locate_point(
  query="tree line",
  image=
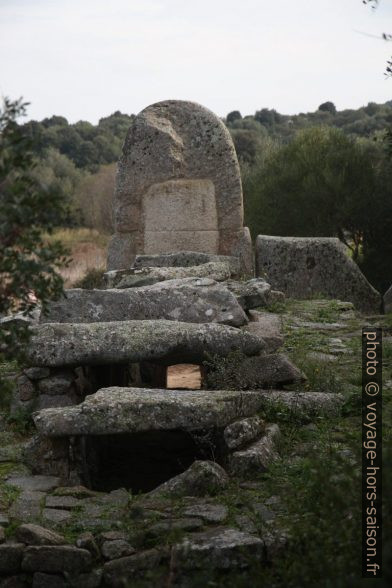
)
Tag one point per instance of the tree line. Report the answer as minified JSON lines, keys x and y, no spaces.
{"x":323,"y":173}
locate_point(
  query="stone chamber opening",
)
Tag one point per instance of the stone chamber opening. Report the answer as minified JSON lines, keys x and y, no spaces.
{"x":142,"y":461}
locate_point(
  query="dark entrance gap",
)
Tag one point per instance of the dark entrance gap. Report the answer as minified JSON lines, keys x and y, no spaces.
{"x":142,"y":461}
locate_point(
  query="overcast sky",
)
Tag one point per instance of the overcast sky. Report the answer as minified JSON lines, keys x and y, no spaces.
{"x":84,"y":59}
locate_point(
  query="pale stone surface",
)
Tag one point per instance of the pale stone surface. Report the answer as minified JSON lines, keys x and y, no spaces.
{"x":131,"y":410}
{"x":63,"y":344}
{"x":34,"y":483}
{"x":388,"y":300}
{"x":242,"y":432}
{"x":31,"y":534}
{"x":179,"y":212}
{"x":190,"y":300}
{"x":251,"y":294}
{"x":303,"y":267}
{"x":178,"y":186}
{"x":268,"y":326}
{"x":221,"y":548}
{"x":256,"y":458}
{"x":202,"y":478}
{"x":215,"y":270}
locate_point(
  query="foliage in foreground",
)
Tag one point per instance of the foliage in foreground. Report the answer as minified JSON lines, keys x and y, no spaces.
{"x":28,"y":263}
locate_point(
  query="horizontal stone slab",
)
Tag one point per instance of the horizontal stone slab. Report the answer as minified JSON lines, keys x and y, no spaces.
{"x":69,"y":344}
{"x":191,"y":300}
{"x":132,"y":410}
{"x":185,"y":259}
{"x":132,"y":278}
{"x":304,"y":403}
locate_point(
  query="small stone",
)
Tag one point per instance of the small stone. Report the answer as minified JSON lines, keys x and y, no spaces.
{"x":37,"y":373}
{"x":242,"y":432}
{"x":41,"y":580}
{"x":251,"y":294}
{"x":54,"y":559}
{"x":2,"y":535}
{"x":76,"y":491}
{"x":210,"y":513}
{"x":87,"y":541}
{"x":165,"y":527}
{"x":221,"y":548}
{"x":31,"y":534}
{"x":34,"y":483}
{"x":118,"y":571}
{"x":62,"y":502}
{"x":25,"y":388}
{"x":56,"y":515}
{"x":4,"y":520}
{"x":200,"y":479}
{"x":27,"y":506}
{"x":14,"y":582}
{"x":245,"y":524}
{"x":113,"y":535}
{"x":116,"y":549}
{"x":57,"y":384}
{"x":90,"y":580}
{"x":10,"y":557}
{"x":257,"y":457}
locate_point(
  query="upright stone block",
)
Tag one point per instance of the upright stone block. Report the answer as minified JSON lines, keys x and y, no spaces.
{"x":178,"y":187}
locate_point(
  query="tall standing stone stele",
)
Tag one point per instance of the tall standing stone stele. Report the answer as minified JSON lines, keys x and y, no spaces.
{"x":178,"y":187}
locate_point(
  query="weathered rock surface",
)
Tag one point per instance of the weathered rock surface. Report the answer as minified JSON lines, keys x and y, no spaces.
{"x":214,"y":270}
{"x":388,"y":300}
{"x":256,"y":458}
{"x":264,"y":371}
{"x":116,"y":549}
{"x":56,"y":384}
{"x":250,"y":294}
{"x":54,"y":559}
{"x":34,"y":483}
{"x":193,"y":300}
{"x":306,"y":403}
{"x":221,"y":548}
{"x":41,"y":580}
{"x":184,"y":259}
{"x":131,"y":410}
{"x":241,"y":432}
{"x":268,"y":326}
{"x":63,"y":344}
{"x":10,"y":557}
{"x":305,"y":266}
{"x":210,"y":513}
{"x":118,"y":572}
{"x":174,"y":192}
{"x":200,"y":479}
{"x":36,"y":535}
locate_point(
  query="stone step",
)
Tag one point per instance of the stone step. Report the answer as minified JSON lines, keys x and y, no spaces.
{"x":69,"y":344}
{"x":145,"y":276}
{"x":132,"y":410}
{"x":193,"y":300}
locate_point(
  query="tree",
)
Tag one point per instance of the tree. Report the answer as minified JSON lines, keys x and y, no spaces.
{"x":233,"y":116}
{"x":28,"y":212}
{"x":328,"y":107}
{"x":314,"y":186}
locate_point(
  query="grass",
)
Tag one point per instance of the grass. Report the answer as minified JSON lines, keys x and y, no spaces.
{"x":87,"y":249}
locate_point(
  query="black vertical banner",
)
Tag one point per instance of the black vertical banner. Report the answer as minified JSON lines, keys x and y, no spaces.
{"x":371,"y":452}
